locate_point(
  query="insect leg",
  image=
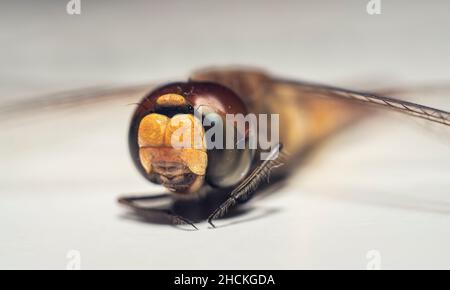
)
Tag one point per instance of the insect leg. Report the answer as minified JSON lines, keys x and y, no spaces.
{"x":132,"y":202}
{"x":248,"y":186}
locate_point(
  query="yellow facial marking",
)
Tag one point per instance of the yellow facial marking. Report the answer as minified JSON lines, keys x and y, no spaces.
{"x":179,"y":139}
{"x":152,"y":129}
{"x":184,"y":131}
{"x":171,"y":100}
{"x":146,"y":157}
{"x":195,"y":160}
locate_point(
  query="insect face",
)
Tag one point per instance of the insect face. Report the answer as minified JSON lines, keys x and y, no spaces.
{"x":172,"y":149}
{"x":169,"y":132}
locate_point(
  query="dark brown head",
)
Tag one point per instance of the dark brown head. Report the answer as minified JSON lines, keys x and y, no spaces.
{"x":167,"y":140}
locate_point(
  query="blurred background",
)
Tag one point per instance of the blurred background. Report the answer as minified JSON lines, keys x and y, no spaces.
{"x":381,"y":190}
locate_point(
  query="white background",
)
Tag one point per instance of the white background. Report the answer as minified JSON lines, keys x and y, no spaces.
{"x":382,"y":186}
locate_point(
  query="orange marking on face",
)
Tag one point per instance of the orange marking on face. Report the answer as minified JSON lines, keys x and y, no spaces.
{"x":185,"y":131}
{"x":195,"y":160}
{"x":170,"y":100}
{"x":179,"y":139}
{"x":146,"y":157}
{"x":152,"y":130}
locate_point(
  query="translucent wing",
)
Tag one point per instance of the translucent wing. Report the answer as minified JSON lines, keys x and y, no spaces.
{"x":410,"y":108}
{"x":75,"y":98}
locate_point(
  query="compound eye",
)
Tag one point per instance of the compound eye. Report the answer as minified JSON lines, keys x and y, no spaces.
{"x":152,"y":129}
{"x":226,"y":167}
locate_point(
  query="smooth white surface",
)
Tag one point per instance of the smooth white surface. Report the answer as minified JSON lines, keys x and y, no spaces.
{"x":382,"y":186}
